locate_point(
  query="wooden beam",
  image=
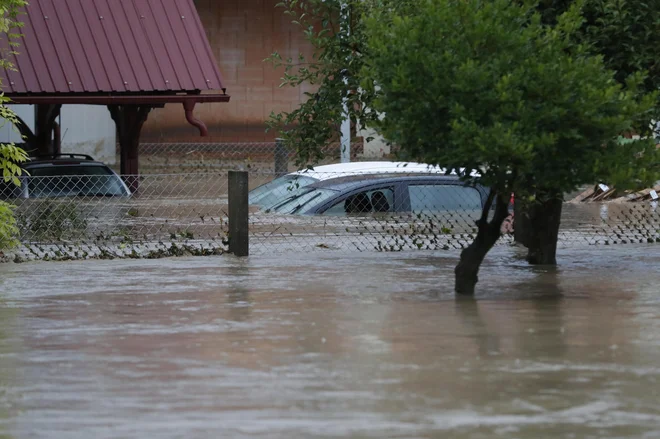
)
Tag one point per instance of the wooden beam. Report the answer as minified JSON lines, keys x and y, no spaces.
{"x":44,"y":123}
{"x":117,"y":99}
{"x":129,"y":120}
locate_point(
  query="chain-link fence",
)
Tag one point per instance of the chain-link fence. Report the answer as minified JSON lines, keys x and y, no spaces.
{"x":168,"y":158}
{"x":96,"y":216}
{"x":173,"y":214}
{"x":407,"y":210}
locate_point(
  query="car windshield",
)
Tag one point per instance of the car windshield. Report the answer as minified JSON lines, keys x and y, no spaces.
{"x":70,"y":180}
{"x":279,"y":189}
{"x":301,"y":201}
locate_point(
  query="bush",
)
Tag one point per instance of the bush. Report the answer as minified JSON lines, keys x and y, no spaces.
{"x":8,"y":229}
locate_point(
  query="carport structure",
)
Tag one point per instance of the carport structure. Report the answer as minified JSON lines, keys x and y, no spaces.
{"x":129,"y":55}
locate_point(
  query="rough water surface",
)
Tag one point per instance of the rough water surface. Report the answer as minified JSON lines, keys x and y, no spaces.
{"x":357,"y":346}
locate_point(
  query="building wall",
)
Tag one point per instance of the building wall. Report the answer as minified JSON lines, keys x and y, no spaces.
{"x":89,"y":129}
{"x":8,"y":132}
{"x":86,"y":129}
{"x":242,"y":33}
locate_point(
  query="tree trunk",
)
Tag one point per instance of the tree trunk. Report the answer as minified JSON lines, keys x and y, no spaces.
{"x":521,"y":226}
{"x":544,"y":220}
{"x":467,"y":271}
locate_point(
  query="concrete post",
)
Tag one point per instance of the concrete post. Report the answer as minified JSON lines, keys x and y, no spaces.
{"x":238,"y":213}
{"x":345,"y":147}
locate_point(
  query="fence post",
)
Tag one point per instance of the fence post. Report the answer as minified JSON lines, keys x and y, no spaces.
{"x":281,"y":158}
{"x":238,"y":213}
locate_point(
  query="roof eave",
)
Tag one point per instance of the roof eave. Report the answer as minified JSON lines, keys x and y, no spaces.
{"x":32,"y":99}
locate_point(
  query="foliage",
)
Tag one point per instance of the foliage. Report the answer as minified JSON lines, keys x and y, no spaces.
{"x":335,"y":31}
{"x":8,"y":229}
{"x":486,"y":85}
{"x":625,"y":32}
{"x":10,"y":155}
{"x":9,"y":23}
{"x":52,"y":221}
{"x":10,"y":158}
{"x":489,"y":87}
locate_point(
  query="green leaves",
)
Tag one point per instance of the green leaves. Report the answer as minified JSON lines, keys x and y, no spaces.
{"x":10,"y":158}
{"x":337,"y":36}
{"x":487,"y":84}
{"x":10,"y":155}
{"x":627,"y":34}
{"x":511,"y":89}
{"x":8,"y":230}
{"x":9,"y":11}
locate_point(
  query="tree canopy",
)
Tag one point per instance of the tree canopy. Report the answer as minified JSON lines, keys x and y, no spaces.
{"x":486,"y":85}
{"x":530,"y":94}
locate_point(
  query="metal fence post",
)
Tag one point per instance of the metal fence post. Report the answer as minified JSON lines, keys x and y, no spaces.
{"x":281,"y":158}
{"x":238,"y":213}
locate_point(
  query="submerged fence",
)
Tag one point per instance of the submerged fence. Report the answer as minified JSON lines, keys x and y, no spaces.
{"x":174,"y":214}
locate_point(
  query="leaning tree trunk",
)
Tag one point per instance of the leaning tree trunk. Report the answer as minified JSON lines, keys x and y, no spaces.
{"x":544,"y":218}
{"x":467,"y":271}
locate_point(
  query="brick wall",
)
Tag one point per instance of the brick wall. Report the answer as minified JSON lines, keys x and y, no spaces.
{"x":242,"y":33}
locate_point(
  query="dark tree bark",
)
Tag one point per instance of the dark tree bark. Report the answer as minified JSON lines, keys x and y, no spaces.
{"x":536,"y":226}
{"x":544,"y":220}
{"x":488,"y":232}
{"x":521,"y":226}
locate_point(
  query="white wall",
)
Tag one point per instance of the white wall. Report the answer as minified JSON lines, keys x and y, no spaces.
{"x":8,"y":133}
{"x":377,"y":147}
{"x":86,"y":129}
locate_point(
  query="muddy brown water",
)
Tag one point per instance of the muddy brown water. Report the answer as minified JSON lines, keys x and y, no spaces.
{"x":327,"y":346}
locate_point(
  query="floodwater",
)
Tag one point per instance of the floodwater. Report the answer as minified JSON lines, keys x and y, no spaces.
{"x":356,"y":346}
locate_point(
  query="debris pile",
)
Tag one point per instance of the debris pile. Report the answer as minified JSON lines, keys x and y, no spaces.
{"x":602,"y":192}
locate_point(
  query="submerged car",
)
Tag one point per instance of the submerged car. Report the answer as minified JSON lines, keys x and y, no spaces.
{"x":377,"y":193}
{"x":66,"y":175}
{"x":286,"y":186}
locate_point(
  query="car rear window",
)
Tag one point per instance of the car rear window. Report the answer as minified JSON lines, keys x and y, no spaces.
{"x":439,"y":198}
{"x":66,"y":180}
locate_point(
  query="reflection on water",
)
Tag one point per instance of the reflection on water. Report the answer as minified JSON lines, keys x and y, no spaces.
{"x":362,"y":346}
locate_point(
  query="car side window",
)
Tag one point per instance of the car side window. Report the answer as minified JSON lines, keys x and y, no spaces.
{"x":373,"y":201}
{"x":439,"y":198}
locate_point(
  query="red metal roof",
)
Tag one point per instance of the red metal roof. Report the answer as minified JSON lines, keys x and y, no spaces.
{"x":111,"y":46}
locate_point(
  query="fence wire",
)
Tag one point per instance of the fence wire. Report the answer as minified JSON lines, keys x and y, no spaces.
{"x":80,"y":216}
{"x":175,"y":214}
{"x":168,"y":158}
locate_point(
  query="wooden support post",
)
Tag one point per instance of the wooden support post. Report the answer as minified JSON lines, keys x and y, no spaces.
{"x":238,"y":213}
{"x":129,"y":120}
{"x":57,"y":138}
{"x":281,"y":158}
{"x":44,"y":123}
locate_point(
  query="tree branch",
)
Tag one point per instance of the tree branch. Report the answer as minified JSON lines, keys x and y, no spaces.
{"x":501,"y":211}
